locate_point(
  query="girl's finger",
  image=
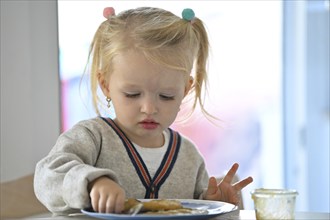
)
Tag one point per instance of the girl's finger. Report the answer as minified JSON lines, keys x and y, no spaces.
{"x":231,"y":173}
{"x":243,"y":183}
{"x":101,"y":205}
{"x":119,"y":204}
{"x":95,"y":201}
{"x":212,"y":187}
{"x":110,"y":204}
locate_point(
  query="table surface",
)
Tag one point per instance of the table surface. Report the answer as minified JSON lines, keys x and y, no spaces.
{"x":235,"y":215}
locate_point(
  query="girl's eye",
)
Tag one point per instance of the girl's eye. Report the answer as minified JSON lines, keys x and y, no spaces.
{"x":132,"y":95}
{"x":166,"y":97}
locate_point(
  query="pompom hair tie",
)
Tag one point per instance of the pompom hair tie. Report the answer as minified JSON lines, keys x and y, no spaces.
{"x":188,"y":14}
{"x":108,"y":12}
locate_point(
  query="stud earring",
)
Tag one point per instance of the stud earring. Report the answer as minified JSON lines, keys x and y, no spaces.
{"x":108,"y":100}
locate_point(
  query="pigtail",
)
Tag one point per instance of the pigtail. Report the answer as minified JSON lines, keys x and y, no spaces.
{"x":94,"y":58}
{"x":201,"y":60}
{"x":200,"y":85}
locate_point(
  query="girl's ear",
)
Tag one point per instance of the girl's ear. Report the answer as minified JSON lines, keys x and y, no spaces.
{"x":104,"y":84}
{"x":188,"y":85}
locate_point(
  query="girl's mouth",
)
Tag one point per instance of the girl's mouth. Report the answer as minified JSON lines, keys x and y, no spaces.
{"x":149,"y":125}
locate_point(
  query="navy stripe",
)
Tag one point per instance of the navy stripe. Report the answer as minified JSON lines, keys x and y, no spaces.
{"x":174,"y":135}
{"x":152,"y":186}
{"x":123,"y":137}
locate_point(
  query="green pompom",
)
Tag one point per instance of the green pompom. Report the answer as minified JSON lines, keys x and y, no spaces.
{"x":188,"y":14}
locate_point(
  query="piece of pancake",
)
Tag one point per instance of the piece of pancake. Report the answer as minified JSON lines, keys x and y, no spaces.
{"x":153,"y":205}
{"x":161,"y":207}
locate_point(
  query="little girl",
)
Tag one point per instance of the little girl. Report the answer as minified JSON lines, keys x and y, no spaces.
{"x":145,"y":61}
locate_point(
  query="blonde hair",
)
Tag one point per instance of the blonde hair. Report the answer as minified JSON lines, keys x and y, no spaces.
{"x":161,"y":36}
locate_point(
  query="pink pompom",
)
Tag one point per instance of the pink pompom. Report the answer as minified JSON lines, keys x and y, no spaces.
{"x":108,"y":12}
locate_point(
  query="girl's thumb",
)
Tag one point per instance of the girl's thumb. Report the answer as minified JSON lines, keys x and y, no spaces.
{"x":212,"y":187}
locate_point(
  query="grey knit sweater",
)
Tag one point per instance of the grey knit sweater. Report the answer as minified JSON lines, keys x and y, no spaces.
{"x":97,"y":147}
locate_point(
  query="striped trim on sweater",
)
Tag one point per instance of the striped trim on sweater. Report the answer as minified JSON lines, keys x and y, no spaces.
{"x":152,"y":185}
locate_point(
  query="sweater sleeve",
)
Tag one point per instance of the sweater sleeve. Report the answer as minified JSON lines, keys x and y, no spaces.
{"x":194,"y":159}
{"x":201,"y":181}
{"x":62,"y":177}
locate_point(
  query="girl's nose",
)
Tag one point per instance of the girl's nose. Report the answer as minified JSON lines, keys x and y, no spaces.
{"x":149,"y":106}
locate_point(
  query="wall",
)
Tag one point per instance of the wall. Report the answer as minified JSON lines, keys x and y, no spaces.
{"x":30,"y":94}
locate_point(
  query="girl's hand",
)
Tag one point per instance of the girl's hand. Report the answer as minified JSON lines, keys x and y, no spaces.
{"x":106,"y":196}
{"x":225,"y":191}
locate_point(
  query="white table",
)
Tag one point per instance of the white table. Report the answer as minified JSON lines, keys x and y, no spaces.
{"x":236,"y":215}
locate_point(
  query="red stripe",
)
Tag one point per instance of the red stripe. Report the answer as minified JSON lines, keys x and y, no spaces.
{"x":168,"y":161}
{"x":143,"y":172}
{"x":136,"y":158}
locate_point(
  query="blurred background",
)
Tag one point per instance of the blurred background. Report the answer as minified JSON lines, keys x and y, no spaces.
{"x":269,"y":84}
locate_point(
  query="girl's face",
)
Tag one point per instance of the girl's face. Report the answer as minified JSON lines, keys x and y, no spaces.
{"x":146,"y":97}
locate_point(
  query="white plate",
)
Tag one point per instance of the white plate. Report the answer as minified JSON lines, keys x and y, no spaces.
{"x":212,"y":208}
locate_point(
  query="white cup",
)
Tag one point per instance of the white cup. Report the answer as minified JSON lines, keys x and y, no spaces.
{"x":274,"y":203}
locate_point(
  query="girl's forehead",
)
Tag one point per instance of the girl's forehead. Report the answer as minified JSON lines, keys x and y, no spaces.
{"x":134,"y":70}
{"x":136,"y":63}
